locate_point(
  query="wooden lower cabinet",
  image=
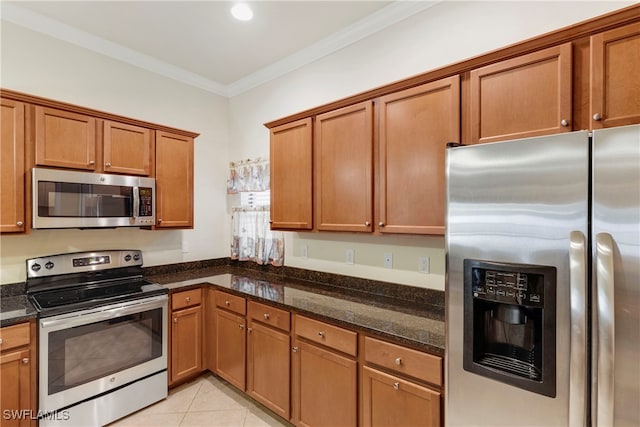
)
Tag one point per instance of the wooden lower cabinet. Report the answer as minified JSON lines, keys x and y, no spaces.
{"x":18,"y":375}
{"x":230,"y":336}
{"x":389,"y":400}
{"x":186,"y":335}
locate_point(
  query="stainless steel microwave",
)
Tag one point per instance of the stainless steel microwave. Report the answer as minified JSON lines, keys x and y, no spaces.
{"x":71,"y":199}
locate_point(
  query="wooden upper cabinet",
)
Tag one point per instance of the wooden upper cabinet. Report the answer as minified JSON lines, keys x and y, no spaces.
{"x":522,"y":97}
{"x":174,"y":180}
{"x":12,"y":203}
{"x":127,"y":148}
{"x":65,"y":139}
{"x":292,"y":175}
{"x":343,"y":147}
{"x":615,"y":77}
{"x":415,"y":126}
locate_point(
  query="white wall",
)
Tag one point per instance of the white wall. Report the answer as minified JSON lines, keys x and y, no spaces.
{"x":43,"y":66}
{"x":447,"y":33}
{"x":233,"y":129}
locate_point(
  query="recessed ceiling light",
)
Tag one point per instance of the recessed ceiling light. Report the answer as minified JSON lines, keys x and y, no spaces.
{"x":242,"y":12}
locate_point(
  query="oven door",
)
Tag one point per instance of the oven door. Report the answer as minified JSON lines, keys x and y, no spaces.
{"x":87,"y":353}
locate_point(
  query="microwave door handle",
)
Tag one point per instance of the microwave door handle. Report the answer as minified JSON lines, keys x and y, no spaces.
{"x":604,"y":303}
{"x":136,"y":203}
{"x":578,"y":341}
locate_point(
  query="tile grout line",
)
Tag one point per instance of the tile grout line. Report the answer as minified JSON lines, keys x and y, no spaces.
{"x":191,"y":403}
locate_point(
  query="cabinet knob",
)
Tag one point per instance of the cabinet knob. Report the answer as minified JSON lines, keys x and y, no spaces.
{"x":92,"y":162}
{"x":294,"y":349}
{"x":597,"y":117}
{"x":1,"y":341}
{"x":396,"y":386}
{"x":25,"y":361}
{"x":266,"y":316}
{"x":381,"y":224}
{"x":188,"y":299}
{"x":398,"y":361}
{"x":564,"y":123}
{"x":175,"y":320}
{"x":19,"y":223}
{"x":241,"y":326}
{"x":367,"y":223}
{"x":249,"y":330}
{"x":107,"y":165}
{"x":321,"y":334}
{"x":227,"y":302}
{"x":159,"y":220}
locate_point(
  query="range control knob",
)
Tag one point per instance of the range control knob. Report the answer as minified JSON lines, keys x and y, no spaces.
{"x":127,"y":257}
{"x":36,"y":267}
{"x":136,"y":257}
{"x":48,"y":265}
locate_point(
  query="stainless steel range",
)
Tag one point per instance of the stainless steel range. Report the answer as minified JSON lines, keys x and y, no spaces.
{"x":102,"y":336}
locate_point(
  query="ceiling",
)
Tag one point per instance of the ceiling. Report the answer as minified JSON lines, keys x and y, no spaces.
{"x":200,"y":43}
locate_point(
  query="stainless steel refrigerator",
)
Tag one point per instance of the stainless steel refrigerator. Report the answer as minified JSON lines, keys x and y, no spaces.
{"x":543,"y":281}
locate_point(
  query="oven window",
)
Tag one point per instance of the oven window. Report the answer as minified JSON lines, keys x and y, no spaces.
{"x":63,"y":199}
{"x":85,"y":353}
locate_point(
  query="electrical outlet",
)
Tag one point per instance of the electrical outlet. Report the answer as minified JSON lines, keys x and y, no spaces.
{"x":388,"y":260}
{"x":349,"y":256}
{"x":423,"y":264}
{"x":304,"y":251}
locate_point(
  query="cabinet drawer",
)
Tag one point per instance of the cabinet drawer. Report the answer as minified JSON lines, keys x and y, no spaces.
{"x":14,"y":336}
{"x":269,"y":315}
{"x":325,"y":334}
{"x":231,"y":302}
{"x":403,"y":360}
{"x":186,"y":299}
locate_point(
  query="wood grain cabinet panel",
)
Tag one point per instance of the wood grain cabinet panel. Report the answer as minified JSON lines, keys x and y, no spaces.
{"x":388,"y":400}
{"x":415,"y":126}
{"x":343,"y":147}
{"x":174,"y":181}
{"x":291,"y":152}
{"x":615,"y":79}
{"x":12,"y":169}
{"x":230,"y":347}
{"x":127,"y":148}
{"x":526,"y":96}
{"x":186,"y":343}
{"x":65,"y":139}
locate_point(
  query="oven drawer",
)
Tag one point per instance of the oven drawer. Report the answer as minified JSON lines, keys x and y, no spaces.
{"x":403,"y":360}
{"x":326,"y":334}
{"x":231,"y":302}
{"x":185,"y":299}
{"x":269,"y":315}
{"x":14,"y":336}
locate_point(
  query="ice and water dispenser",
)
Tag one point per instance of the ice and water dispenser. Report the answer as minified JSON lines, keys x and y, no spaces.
{"x":509,"y":324}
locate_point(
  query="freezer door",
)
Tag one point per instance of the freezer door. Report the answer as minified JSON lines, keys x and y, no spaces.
{"x":523,"y":202}
{"x":616,"y":231}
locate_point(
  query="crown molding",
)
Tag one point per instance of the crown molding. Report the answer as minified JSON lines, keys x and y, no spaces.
{"x":383,"y":18}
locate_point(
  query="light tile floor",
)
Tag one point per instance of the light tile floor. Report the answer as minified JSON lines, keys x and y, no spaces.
{"x":204,"y":402}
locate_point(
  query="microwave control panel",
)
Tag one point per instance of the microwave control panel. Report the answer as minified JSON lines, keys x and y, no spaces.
{"x":146,"y":201}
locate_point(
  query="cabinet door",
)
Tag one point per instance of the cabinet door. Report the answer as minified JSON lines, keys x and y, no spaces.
{"x":291,"y":176}
{"x":15,"y":389}
{"x":391,"y":401}
{"x":343,"y":169}
{"x":230,"y":347}
{"x":65,"y":139}
{"x":522,"y":97}
{"x":325,"y":387}
{"x":615,"y":79}
{"x":127,"y":149}
{"x":12,"y":210}
{"x":268,"y":355}
{"x":186,"y":343}
{"x":174,"y":180}
{"x":415,"y":127}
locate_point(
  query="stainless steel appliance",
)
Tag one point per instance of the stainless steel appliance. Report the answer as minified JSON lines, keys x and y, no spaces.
{"x":102,"y":336}
{"x":543,"y":281}
{"x":71,"y":199}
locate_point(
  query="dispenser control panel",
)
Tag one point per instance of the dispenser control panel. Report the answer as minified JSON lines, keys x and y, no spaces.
{"x":513,"y":287}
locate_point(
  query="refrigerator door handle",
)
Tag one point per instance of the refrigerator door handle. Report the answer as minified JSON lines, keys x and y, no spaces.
{"x":604,"y":303}
{"x":578,"y":343}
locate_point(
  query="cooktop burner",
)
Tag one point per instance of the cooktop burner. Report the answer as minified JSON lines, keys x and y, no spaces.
{"x":77,"y":281}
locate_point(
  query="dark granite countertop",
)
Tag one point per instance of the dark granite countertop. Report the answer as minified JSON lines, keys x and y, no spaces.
{"x":411,"y":322}
{"x":15,"y":309}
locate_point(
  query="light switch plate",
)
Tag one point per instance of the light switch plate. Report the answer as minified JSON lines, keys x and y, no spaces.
{"x":388,"y":260}
{"x":349,"y":256}
{"x":304,"y":251}
{"x":423,"y":264}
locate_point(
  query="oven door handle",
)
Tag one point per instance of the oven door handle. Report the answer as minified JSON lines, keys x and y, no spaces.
{"x":104,"y":313}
